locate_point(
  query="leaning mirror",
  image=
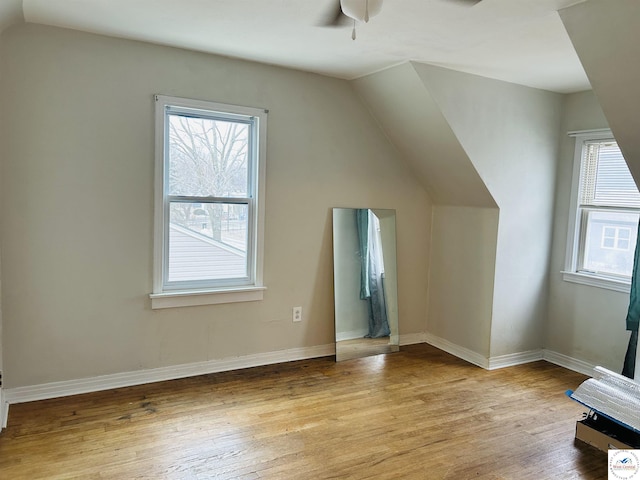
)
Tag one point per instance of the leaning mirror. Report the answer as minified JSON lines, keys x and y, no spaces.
{"x":365,"y":282}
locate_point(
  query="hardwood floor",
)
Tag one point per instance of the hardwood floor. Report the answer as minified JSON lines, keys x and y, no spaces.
{"x":416,"y":414}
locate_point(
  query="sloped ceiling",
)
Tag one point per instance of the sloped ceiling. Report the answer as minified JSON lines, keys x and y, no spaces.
{"x":519,"y":41}
{"x":606,"y":35}
{"x":414,"y":123}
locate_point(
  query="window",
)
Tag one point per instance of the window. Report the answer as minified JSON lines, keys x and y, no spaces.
{"x":616,"y":238}
{"x":604,"y":222}
{"x":208,"y":203}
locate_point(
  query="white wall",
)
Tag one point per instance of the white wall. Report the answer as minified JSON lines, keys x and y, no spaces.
{"x":510,"y":134}
{"x":77,"y":145}
{"x":585,"y":323}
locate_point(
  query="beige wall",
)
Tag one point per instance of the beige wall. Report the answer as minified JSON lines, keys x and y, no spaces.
{"x":77,"y":146}
{"x":462,"y":275}
{"x":478,"y":143}
{"x":10,"y":13}
{"x":464,"y":223}
{"x":584,"y":322}
{"x":1,"y":162}
{"x":510,"y":134}
{"x":76,"y":192}
{"x":413,"y":121}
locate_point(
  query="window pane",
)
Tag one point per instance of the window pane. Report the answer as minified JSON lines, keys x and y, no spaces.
{"x":609,"y":242}
{"x":207,"y":241}
{"x":208,"y":157}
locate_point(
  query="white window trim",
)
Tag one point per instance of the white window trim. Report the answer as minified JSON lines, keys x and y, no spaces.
{"x":569,"y":274}
{"x":205,"y":297}
{"x":209,"y":296}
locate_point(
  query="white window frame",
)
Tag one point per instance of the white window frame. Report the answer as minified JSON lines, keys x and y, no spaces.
{"x":570,"y":272}
{"x":165,"y":296}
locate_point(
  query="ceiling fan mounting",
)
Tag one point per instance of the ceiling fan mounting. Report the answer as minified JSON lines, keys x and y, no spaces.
{"x":348,"y":12}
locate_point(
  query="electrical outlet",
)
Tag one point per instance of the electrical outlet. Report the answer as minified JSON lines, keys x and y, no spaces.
{"x":297,"y":314}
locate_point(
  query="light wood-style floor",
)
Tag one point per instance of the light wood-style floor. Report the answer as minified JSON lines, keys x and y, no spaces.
{"x":416,"y":414}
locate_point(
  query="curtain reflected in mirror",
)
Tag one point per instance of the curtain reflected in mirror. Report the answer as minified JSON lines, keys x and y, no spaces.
{"x":365,"y":282}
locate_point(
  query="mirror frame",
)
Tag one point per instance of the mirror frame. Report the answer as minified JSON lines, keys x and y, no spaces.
{"x":351,"y":311}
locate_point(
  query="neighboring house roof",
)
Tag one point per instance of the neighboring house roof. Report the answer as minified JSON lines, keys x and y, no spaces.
{"x":195,"y":257}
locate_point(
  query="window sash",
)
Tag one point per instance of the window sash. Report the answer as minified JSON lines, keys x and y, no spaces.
{"x":238,"y":280}
{"x":251,"y":122}
{"x":584,"y":242}
{"x":172,"y":110}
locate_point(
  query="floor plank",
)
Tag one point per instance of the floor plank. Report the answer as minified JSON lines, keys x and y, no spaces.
{"x":416,"y":414}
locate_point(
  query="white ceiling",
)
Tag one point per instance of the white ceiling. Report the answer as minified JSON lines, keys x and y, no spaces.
{"x":520,"y":41}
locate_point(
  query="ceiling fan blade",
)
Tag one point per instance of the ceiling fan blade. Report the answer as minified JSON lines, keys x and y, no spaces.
{"x":334,"y":16}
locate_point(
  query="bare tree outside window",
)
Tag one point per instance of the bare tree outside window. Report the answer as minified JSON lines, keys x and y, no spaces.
{"x":209,"y":158}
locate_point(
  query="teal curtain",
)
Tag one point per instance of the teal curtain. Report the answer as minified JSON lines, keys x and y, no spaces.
{"x":633,"y":314}
{"x":371,"y":276}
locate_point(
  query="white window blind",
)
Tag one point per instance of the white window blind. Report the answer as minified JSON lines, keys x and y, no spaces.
{"x":606,"y":180}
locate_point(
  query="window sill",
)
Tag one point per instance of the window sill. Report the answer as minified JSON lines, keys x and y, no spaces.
{"x":597,"y":281}
{"x":205,"y":297}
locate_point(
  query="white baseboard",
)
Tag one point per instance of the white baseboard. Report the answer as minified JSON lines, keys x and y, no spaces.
{"x":568,"y":362}
{"x":460,"y":352}
{"x":4,"y":410}
{"x":127,"y":379}
{"x":513,"y":359}
{"x":105,"y":382}
{"x":412,"y":338}
{"x":139,"y":377}
{"x":502,"y":361}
